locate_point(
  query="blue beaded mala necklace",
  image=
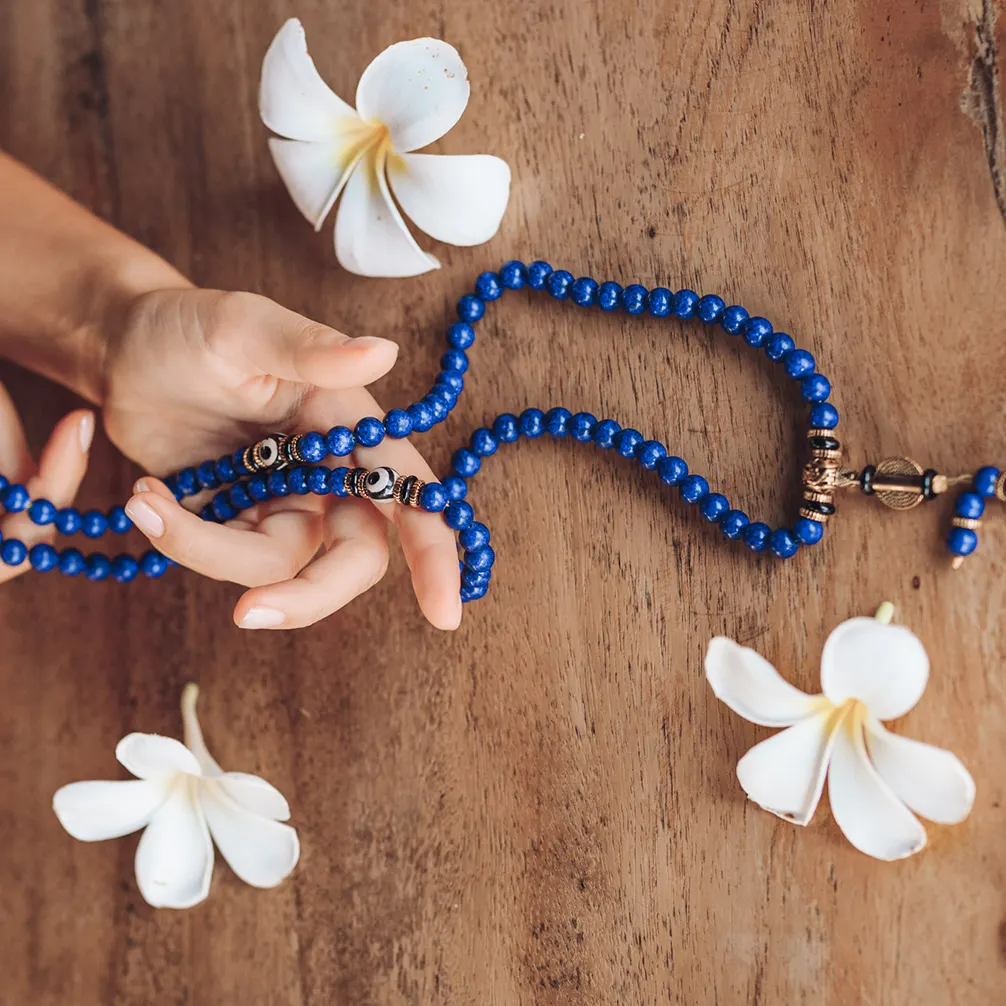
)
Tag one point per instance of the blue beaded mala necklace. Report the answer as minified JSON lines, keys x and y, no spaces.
{"x":281,"y":464}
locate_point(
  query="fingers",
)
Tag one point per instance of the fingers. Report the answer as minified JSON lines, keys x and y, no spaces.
{"x":277,"y":549}
{"x":272,"y":340}
{"x":356,"y":560}
{"x":16,"y":461}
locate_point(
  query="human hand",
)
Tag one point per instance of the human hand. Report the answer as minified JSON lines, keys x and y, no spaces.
{"x":191,"y":374}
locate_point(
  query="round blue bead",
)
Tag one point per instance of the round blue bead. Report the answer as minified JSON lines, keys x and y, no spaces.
{"x":710,"y":308}
{"x":732,"y":524}
{"x":609,"y":296}
{"x":206,"y":473}
{"x":582,"y":427}
{"x":465,"y":464}
{"x":713,"y":506}
{"x":471,"y":308}
{"x":659,"y":302}
{"x":799,"y":363}
{"x":733,"y":319}
{"x":458,"y":514}
{"x":634,"y":298}
{"x":756,"y":330}
{"x":320,"y":481}
{"x":398,"y":423}
{"x":532,"y":423}
{"x":756,"y":536}
{"x":672,"y":470}
{"x":460,"y":335}
{"x":97,"y":567}
{"x":337,"y":482}
{"x":42,"y":512}
{"x":312,"y":447}
{"x":94,"y":524}
{"x":985,"y":480}
{"x":422,"y":417}
{"x":171,"y":481}
{"x":782,"y":543}
{"x":480,"y":559}
{"x":454,"y":359}
{"x":69,"y":520}
{"x":186,"y":482}
{"x":71,"y":562}
{"x":538,"y":274}
{"x":471,"y":578}
{"x":628,"y":442}
{"x":960,"y":541}
{"x":473,"y":537}
{"x":969,"y":505}
{"x":823,"y":416}
{"x":222,"y":508}
{"x":15,"y":498}
{"x":153,"y":564}
{"x":225,"y":469}
{"x":124,"y":568}
{"x":240,"y":468}
{"x":469,"y":594}
{"x":43,"y":557}
{"x":13,"y":552}
{"x":438,"y":408}
{"x":446,"y":396}
{"x":685,"y":302}
{"x":815,"y":388}
{"x":693,"y":488}
{"x":369,"y":432}
{"x":605,"y":433}
{"x":584,"y":292}
{"x":488,"y":287}
{"x":505,"y":428}
{"x":208,"y":515}
{"x":778,"y":346}
{"x":433,"y":497}
{"x":277,"y":484}
{"x":297,"y":480}
{"x":455,"y":487}
{"x":340,"y":441}
{"x":4,"y":482}
{"x":559,"y":283}
{"x":240,"y":498}
{"x":808,"y":532}
{"x":258,"y":489}
{"x":118,"y":520}
{"x":650,"y":453}
{"x":452,"y":379}
{"x":557,"y":421}
{"x":483,"y":443}
{"x":513,"y":274}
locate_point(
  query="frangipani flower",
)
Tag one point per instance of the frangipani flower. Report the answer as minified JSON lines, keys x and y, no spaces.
{"x":409,"y":96}
{"x":181,"y":797}
{"x":870,"y":671}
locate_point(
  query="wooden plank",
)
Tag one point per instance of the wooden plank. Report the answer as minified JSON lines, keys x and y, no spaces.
{"x":542,"y":808}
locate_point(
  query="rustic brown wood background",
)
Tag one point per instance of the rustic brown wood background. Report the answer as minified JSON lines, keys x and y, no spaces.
{"x":542,"y":807}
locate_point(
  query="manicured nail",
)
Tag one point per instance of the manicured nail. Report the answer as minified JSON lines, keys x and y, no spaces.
{"x":86,"y":432}
{"x":141,"y":486}
{"x":262,"y":618}
{"x":371,"y":342}
{"x":145,"y":517}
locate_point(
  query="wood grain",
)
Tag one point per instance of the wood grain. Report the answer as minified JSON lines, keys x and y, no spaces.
{"x":541,"y":808}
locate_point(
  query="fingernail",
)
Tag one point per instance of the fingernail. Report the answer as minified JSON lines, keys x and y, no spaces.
{"x":141,"y":486}
{"x":372,"y":342}
{"x":86,"y":432}
{"x":262,"y":618}
{"x":145,"y":517}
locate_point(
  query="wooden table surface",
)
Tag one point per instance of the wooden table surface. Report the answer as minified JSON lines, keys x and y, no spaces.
{"x":542,"y":807}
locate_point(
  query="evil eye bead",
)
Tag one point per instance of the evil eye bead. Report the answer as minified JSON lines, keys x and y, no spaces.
{"x":380,"y":483}
{"x":265,"y":454}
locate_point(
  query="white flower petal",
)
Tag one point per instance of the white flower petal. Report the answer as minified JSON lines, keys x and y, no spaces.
{"x":255,"y":794}
{"x":930,"y":780}
{"x":754,"y":689}
{"x":872,"y":818}
{"x":785,"y":774}
{"x":93,"y":811}
{"x":315,"y":173}
{"x":371,"y":238}
{"x":174,"y":860}
{"x":459,"y":199}
{"x":193,"y":732}
{"x":418,"y":89}
{"x":262,"y":852}
{"x":884,"y":666}
{"x":151,"y":756}
{"x":293,"y":99}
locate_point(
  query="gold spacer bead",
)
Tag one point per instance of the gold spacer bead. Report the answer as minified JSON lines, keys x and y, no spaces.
{"x":829,"y":455}
{"x":821,"y":518}
{"x":970,"y":523}
{"x":396,"y":492}
{"x":821,"y":433}
{"x":816,"y":497}
{"x":418,"y":486}
{"x":1001,"y":486}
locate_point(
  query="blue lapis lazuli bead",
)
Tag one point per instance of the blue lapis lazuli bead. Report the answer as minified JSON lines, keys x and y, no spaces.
{"x":458,"y":514}
{"x":422,"y":417}
{"x":68,"y":520}
{"x":206,"y":473}
{"x":153,"y":564}
{"x":985,"y":480}
{"x":398,"y":423}
{"x":969,"y":505}
{"x":557,"y":421}
{"x":778,"y":346}
{"x":659,"y":302}
{"x":559,"y":283}
{"x":823,"y":416}
{"x":513,"y":274}
{"x":258,"y":488}
{"x":505,"y":428}
{"x":782,"y":543}
{"x":713,"y":506}
{"x":433,"y":497}
{"x":471,"y":578}
{"x":43,"y":557}
{"x":97,"y":567}
{"x":186,"y":482}
{"x":628,"y":442}
{"x":337,"y":484}
{"x":732,"y":524}
{"x":634,"y":299}
{"x":799,"y":363}
{"x":808,"y":532}
{"x":453,"y":379}
{"x":222,"y":508}
{"x":225,"y":468}
{"x":319,"y":481}
{"x":733,"y":319}
{"x":312,"y":447}
{"x":465,"y":464}
{"x":756,"y":536}
{"x":71,"y":562}
{"x":710,"y":308}
{"x":469,"y":594}
{"x":583,"y":292}
{"x":118,"y":520}
{"x":815,"y":388}
{"x":483,"y":443}
{"x":124,"y":569}
{"x":297,"y":480}
{"x":473,"y":537}
{"x":960,"y":541}
{"x":4,"y":482}
{"x":94,"y":524}
{"x":480,"y":559}
{"x":756,"y":331}
{"x":241,"y":469}
{"x":454,"y":359}
{"x":532,"y":423}
{"x":605,"y":433}
{"x":685,"y":302}
{"x":672,"y":470}
{"x":650,"y":453}
{"x":609,"y":296}
{"x":42,"y":512}
{"x":460,"y":335}
{"x":693,"y":488}
{"x":538,"y":274}
{"x":470,"y":308}
{"x":13,"y":552}
{"x":488,"y":286}
{"x":340,"y":441}
{"x":437,"y":406}
{"x":455,"y":487}
{"x":15,"y":498}
{"x":276,"y":481}
{"x":582,"y":427}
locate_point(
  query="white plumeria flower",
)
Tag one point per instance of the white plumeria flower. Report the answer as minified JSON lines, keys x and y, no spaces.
{"x":409,"y":96}
{"x":870,"y":671}
{"x":181,"y":797}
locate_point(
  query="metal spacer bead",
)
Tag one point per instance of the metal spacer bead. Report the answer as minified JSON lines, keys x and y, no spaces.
{"x":292,"y":448}
{"x":816,"y":497}
{"x":1001,"y":487}
{"x":821,"y":518}
{"x":971,"y":523}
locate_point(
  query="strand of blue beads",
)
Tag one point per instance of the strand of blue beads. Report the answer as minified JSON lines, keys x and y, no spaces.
{"x":969,"y":507}
{"x":239,"y":488}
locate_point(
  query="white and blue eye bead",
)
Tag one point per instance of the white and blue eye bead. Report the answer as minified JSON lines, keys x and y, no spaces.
{"x":379,"y":485}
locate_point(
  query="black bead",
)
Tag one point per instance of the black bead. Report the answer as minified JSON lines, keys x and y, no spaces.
{"x":866,"y":479}
{"x":823,"y":443}
{"x":827,"y":509}
{"x":927,"y":483}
